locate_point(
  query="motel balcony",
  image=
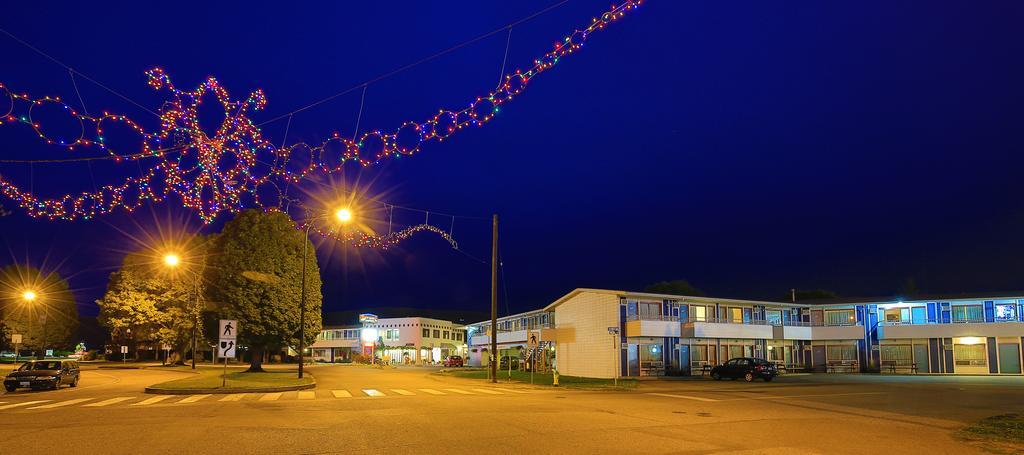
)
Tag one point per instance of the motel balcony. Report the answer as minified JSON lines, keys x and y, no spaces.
{"x":954,"y":329}
{"x":725,"y":328}
{"x":652,"y":326}
{"x":547,"y":333}
{"x":798,"y":330}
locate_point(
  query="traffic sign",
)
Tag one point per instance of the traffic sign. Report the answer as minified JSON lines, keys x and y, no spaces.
{"x":534,"y":338}
{"x":16,"y":338}
{"x":228,"y":330}
{"x":124,"y":349}
{"x":226,"y":349}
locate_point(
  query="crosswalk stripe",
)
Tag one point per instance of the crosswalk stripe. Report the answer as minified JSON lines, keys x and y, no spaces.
{"x":233,"y":397}
{"x":373,"y":392}
{"x":341,"y":394}
{"x":487,"y":391}
{"x":270,"y":396}
{"x":510,"y":390}
{"x":683,"y":396}
{"x":307,"y":395}
{"x":60,"y":404}
{"x":402,"y":392}
{"x":193,"y":399}
{"x":432,"y":391}
{"x":462,"y":392}
{"x":150,"y":401}
{"x":109,"y":402}
{"x":23,"y":403}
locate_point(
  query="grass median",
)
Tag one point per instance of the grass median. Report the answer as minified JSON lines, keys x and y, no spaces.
{"x":237,"y":379}
{"x":545,"y":379}
{"x":998,"y":434}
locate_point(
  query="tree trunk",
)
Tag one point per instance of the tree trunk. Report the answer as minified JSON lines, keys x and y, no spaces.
{"x":256,"y":360}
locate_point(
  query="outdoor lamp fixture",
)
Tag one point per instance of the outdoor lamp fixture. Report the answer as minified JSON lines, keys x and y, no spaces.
{"x":344,"y":216}
{"x":172,"y":260}
{"x":29,"y":295}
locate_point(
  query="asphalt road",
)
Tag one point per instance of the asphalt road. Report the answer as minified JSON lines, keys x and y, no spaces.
{"x":361,"y":410}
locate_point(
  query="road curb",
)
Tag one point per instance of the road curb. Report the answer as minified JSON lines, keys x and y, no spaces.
{"x":290,"y":388}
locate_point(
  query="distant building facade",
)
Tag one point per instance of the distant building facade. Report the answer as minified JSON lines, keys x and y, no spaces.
{"x":409,"y":340}
{"x":606,"y":333}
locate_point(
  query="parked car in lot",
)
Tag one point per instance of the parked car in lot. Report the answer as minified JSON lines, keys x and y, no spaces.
{"x":453,"y":361}
{"x":747,"y":368}
{"x":43,"y":374}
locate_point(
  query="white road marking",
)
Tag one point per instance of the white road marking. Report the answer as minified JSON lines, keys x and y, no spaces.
{"x":193,"y":399}
{"x":150,"y":401}
{"x":510,"y":390}
{"x":373,"y":392}
{"x":683,"y":396}
{"x":60,"y":404}
{"x":402,"y":392}
{"x":487,"y":391}
{"x":23,"y":403}
{"x":432,"y":391}
{"x":233,"y":397}
{"x":341,"y":394}
{"x":107,"y":402}
{"x":270,"y":396}
{"x":307,"y":395}
{"x":461,"y":392}
{"x":780,"y":397}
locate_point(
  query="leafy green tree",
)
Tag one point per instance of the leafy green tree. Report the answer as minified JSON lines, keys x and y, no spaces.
{"x":674,"y":287}
{"x":257,"y":265}
{"x":50,"y":319}
{"x":157,"y":305}
{"x":5,"y":338}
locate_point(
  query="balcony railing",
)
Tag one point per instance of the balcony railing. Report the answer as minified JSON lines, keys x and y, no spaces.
{"x":772,"y":323}
{"x":651,"y":317}
{"x":953,"y":321}
{"x":726,"y":321}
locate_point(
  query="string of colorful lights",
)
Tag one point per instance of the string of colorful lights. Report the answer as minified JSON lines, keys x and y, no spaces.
{"x":236,"y":167}
{"x":363,"y":239}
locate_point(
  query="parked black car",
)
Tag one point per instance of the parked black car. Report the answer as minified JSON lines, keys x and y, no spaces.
{"x":43,"y":374}
{"x":747,"y":368}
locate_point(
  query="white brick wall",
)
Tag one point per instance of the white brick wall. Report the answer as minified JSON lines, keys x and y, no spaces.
{"x":584,"y":347}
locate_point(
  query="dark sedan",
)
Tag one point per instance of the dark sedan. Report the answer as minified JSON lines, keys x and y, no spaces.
{"x":43,"y":374}
{"x":747,"y":368}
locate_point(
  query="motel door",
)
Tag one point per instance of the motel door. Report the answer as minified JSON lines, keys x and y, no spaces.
{"x":921,"y":357}
{"x":818,"y":358}
{"x":1009,"y":358}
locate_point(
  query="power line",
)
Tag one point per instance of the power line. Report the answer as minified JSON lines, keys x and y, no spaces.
{"x":73,"y":71}
{"x":418,"y":62}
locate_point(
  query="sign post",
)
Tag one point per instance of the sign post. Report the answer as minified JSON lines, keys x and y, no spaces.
{"x":614,"y":332}
{"x":124,"y":354}
{"x":16,"y":340}
{"x":534,"y":342}
{"x":228,"y":330}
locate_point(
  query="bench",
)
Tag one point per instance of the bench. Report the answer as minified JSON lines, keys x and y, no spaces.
{"x":892,"y":366}
{"x":849,"y":366}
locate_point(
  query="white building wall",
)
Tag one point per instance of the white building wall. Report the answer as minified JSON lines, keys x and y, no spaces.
{"x":583,"y":346}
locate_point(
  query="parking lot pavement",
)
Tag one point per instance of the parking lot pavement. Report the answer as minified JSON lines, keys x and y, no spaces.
{"x":359,"y":409}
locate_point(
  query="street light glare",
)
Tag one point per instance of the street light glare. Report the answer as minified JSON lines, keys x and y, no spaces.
{"x":172,"y":260}
{"x":344,"y":215}
{"x":29,"y":295}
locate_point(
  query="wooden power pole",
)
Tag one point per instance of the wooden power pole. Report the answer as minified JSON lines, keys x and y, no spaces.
{"x":494,"y":301}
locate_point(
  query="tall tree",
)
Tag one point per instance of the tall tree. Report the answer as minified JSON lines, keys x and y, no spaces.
{"x":257,"y":265}
{"x":674,"y":287}
{"x":39,"y":306}
{"x":158,"y":306}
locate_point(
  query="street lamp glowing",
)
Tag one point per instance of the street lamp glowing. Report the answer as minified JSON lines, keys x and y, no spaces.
{"x":172,"y":260}
{"x":343,"y":215}
{"x":29,"y":295}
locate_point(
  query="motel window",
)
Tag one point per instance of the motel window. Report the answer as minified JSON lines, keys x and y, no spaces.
{"x":426,"y":333}
{"x":841,"y":352}
{"x":919,"y":315}
{"x":840,"y":317}
{"x":736,"y":315}
{"x":774,"y":317}
{"x":446,"y":335}
{"x":1006,"y":312}
{"x":968,"y":313}
{"x":901,"y":354}
{"x":437,"y":333}
{"x":969,"y":354}
{"x":699,"y":313}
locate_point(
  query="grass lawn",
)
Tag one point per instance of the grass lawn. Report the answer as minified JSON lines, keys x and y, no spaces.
{"x":544,"y":379}
{"x":997,"y":434}
{"x":237,"y":379}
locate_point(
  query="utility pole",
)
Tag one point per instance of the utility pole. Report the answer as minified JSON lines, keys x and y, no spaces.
{"x":302,"y":304}
{"x":494,"y":302}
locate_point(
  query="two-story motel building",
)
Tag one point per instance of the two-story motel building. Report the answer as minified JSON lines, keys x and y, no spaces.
{"x":605,"y":333}
{"x":409,"y":340}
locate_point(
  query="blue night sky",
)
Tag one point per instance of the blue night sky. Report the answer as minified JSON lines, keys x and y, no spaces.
{"x":749,"y":147}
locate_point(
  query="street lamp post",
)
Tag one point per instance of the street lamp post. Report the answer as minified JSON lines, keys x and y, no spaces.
{"x":344,"y":215}
{"x":173,"y":261}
